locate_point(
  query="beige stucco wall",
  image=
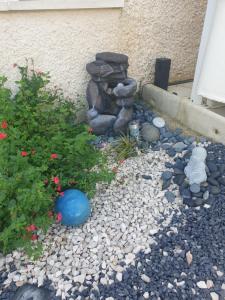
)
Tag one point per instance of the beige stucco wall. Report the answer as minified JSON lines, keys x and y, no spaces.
{"x":62,"y":42}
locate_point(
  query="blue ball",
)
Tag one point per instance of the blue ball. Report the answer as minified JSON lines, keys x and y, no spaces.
{"x":74,"y":207}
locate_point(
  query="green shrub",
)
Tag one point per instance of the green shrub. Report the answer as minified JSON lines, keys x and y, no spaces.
{"x":43,"y":151}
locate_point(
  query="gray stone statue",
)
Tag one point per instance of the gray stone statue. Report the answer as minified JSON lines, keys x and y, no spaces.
{"x":110,"y":93}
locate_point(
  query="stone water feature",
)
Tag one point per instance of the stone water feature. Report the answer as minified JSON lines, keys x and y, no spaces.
{"x":110,"y":94}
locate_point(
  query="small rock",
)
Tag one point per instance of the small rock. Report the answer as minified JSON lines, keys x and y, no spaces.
{"x":195,"y":188}
{"x":206,"y":195}
{"x":79,"y":278}
{"x":146,"y":295}
{"x":150,"y":133}
{"x":179,"y":147}
{"x":103,"y":281}
{"x":219,"y":273}
{"x":153,"y":231}
{"x":181,"y":283}
{"x":209,"y":284}
{"x":189,"y":257}
{"x":119,"y":276}
{"x":201,"y":285}
{"x":214,"y":296}
{"x":215,"y":190}
{"x":20,"y":283}
{"x":170,"y":196}
{"x":129,"y":258}
{"x":167,"y":175}
{"x":170,"y":286}
{"x":166,"y":184}
{"x":158,"y":122}
{"x":145,"y":278}
{"x":104,"y":265}
{"x":147,"y":177}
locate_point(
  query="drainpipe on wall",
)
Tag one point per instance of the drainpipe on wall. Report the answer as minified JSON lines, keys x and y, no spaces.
{"x":209,"y":18}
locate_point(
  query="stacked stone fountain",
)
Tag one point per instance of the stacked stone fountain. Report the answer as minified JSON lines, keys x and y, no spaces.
{"x":110,"y":94}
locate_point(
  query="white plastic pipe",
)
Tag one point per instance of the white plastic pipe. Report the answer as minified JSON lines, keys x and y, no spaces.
{"x":196,"y":95}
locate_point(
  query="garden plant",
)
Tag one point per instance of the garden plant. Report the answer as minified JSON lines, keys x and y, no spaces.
{"x":43,"y":151}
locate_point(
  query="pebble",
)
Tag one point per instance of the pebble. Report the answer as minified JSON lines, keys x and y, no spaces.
{"x":145,"y":278}
{"x":180,"y":146}
{"x":201,"y":285}
{"x":79,"y":278}
{"x":214,"y":296}
{"x":167,"y":175}
{"x":209,"y":284}
{"x":170,"y":196}
{"x":219,"y":273}
{"x":153,"y":231}
{"x":119,"y":276}
{"x":195,"y":188}
{"x":158,"y":122}
{"x":206,"y":195}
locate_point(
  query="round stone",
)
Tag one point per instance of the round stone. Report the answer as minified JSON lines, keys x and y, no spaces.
{"x":195,"y":188}
{"x":206,"y":195}
{"x":158,"y":122}
{"x":167,"y":175}
{"x":150,"y":133}
{"x":215,"y":190}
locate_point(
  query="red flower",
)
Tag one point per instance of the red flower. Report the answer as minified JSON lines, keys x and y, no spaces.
{"x":59,"y":217}
{"x":3,"y":135}
{"x":24,"y":153}
{"x":58,"y":188}
{"x":4,"y":124}
{"x":54,"y":155}
{"x":50,"y":214}
{"x":55,"y":180}
{"x":90,"y":130}
{"x":30,"y":228}
{"x":34,"y":237}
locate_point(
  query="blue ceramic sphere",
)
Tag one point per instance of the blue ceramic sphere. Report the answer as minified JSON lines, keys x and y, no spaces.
{"x":74,"y":207}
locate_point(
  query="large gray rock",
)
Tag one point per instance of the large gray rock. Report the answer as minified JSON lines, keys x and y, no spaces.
{"x":124,"y":117}
{"x":112,"y":57}
{"x":94,"y":97}
{"x":150,"y":133}
{"x":125,"y":102}
{"x":99,"y":69}
{"x":102,"y":123}
{"x":31,"y":292}
{"x":125,"y":89}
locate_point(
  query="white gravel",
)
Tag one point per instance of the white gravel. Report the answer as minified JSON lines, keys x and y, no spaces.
{"x":124,"y":221}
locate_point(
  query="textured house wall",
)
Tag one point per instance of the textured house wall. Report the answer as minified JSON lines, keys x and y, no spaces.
{"x":159,"y":28}
{"x":62,"y":42}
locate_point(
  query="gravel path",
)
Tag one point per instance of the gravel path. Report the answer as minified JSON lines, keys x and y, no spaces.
{"x":141,"y":242}
{"x":125,"y":218}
